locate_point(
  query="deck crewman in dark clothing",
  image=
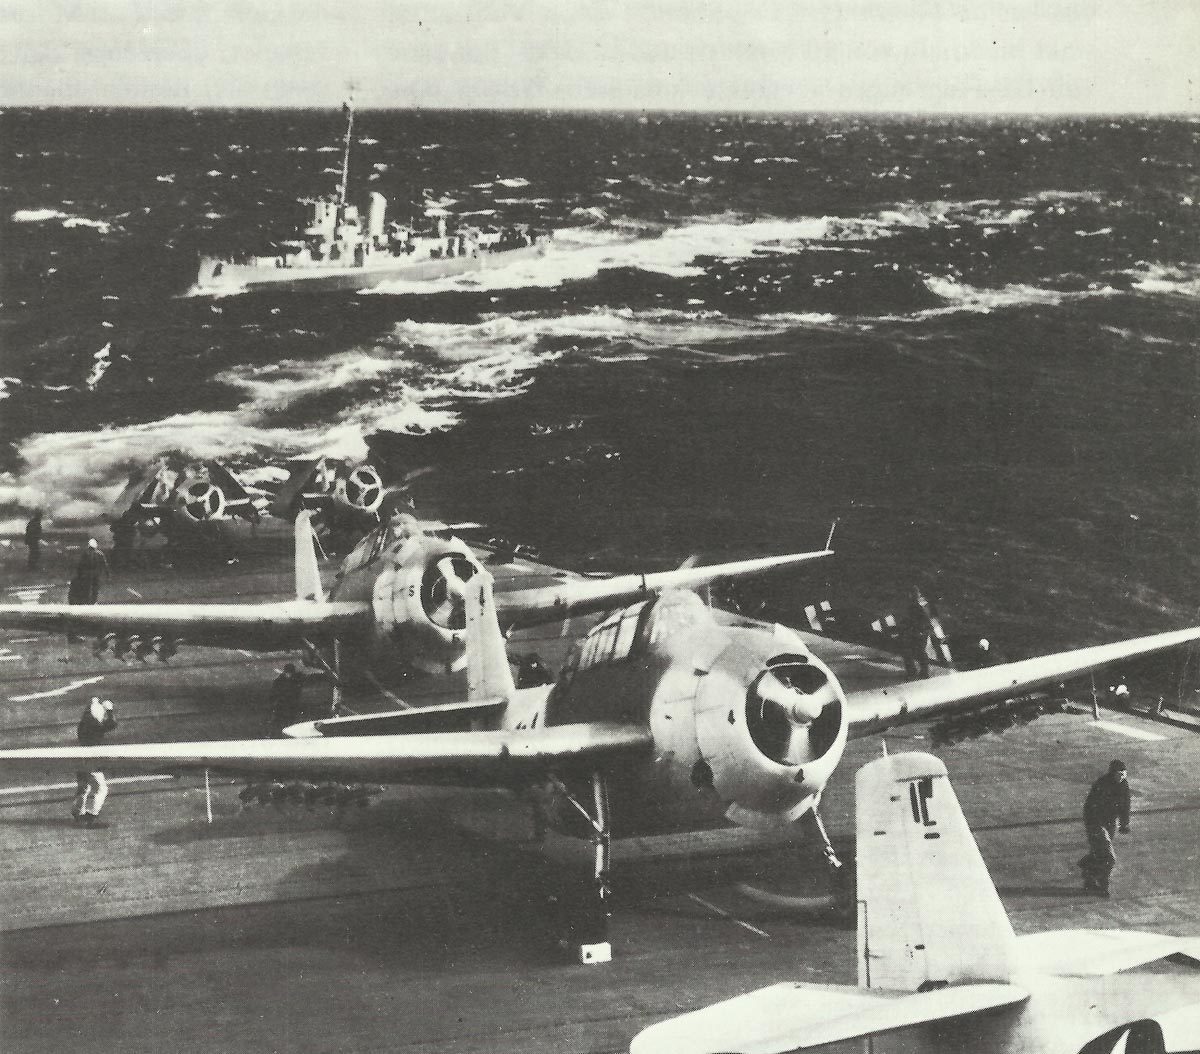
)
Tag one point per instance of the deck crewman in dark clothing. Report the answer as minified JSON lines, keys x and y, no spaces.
{"x":33,"y":540}
{"x":287,"y":704}
{"x":914,"y":638}
{"x":92,"y":567}
{"x":90,"y":787}
{"x":1105,"y":812}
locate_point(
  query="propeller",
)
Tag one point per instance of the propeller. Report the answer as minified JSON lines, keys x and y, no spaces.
{"x":364,"y":489}
{"x":203,"y":501}
{"x":782,"y":707}
{"x":442,"y":591}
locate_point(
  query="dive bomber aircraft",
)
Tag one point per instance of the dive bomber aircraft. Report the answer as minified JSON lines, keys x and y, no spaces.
{"x":938,"y":981}
{"x":688,"y":717}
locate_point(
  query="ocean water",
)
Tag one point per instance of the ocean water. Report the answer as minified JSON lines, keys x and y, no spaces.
{"x":972,"y":341}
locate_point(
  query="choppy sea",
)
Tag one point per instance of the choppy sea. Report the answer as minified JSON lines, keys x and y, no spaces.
{"x":973,"y":341}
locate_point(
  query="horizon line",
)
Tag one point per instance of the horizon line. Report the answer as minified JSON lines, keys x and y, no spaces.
{"x":598,"y":109}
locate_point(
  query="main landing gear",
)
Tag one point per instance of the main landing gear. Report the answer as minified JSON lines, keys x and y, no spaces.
{"x":586,"y":913}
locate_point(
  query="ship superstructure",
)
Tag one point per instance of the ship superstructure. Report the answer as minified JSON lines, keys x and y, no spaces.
{"x":341,"y":249}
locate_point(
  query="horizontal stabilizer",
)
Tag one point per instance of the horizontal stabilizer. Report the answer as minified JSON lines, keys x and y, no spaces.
{"x":576,"y":596}
{"x":788,"y":1017}
{"x":481,"y":756}
{"x":444,"y":717}
{"x":1096,"y":953}
{"x":916,"y":856}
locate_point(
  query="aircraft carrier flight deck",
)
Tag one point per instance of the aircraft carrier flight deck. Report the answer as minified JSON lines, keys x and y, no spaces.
{"x":419,"y":923}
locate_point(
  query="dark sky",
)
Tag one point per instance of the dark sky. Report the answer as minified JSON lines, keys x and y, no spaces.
{"x":898,"y":55}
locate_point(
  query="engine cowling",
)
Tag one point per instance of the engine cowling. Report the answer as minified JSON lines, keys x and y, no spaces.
{"x":768,"y":724}
{"x":360,"y":489}
{"x":201,"y":501}
{"x":418,"y":602}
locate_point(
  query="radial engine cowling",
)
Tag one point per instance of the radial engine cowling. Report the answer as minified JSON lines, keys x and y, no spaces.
{"x":202,"y":501}
{"x":770,"y":727}
{"x":360,"y":489}
{"x":418,"y":603}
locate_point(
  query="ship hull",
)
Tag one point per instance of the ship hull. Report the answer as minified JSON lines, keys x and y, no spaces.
{"x":235,"y":278}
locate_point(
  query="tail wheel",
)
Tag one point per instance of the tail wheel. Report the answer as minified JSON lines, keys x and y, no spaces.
{"x":203,"y":501}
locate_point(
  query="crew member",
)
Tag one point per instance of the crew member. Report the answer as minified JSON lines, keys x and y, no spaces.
{"x":124,"y":531}
{"x":913,"y":638}
{"x":92,"y":567}
{"x":33,"y":539}
{"x":1105,"y":812}
{"x":287,"y":705}
{"x":531,"y":672}
{"x":90,"y":787}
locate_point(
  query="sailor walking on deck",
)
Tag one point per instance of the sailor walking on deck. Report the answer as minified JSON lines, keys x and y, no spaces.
{"x":1105,"y":812}
{"x":91,"y":789}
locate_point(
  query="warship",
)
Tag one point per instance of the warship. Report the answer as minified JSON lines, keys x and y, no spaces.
{"x":341,"y":249}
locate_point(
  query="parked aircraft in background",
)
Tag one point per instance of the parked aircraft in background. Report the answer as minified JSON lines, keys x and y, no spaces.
{"x":188,"y":492}
{"x":688,"y":718}
{"x":396,"y":604}
{"x":324,"y":484}
{"x":940,"y":981}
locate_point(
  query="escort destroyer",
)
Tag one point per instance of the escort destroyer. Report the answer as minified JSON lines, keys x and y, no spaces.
{"x":341,"y":249}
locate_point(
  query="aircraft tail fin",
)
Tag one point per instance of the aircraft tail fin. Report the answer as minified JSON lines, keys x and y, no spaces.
{"x":488,"y":673}
{"x":928,"y":913}
{"x":308,"y":572}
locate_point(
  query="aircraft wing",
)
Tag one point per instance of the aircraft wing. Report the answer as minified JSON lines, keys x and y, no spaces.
{"x":795,"y":1016}
{"x":257,"y":627}
{"x":289,"y":498}
{"x":878,"y":708}
{"x":577,"y":596}
{"x":237,"y":499}
{"x":1096,"y":953}
{"x":137,"y":492}
{"x":471,"y":758}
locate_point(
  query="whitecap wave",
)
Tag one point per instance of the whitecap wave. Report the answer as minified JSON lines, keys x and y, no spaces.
{"x":962,"y":296}
{"x":1182,"y":280}
{"x":580,"y":254}
{"x":67,"y":219}
{"x":37,"y":215}
{"x":384,"y":388}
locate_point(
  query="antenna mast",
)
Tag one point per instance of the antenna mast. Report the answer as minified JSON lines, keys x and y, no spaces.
{"x":348,"y":110}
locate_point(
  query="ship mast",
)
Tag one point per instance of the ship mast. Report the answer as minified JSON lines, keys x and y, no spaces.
{"x":348,"y":110}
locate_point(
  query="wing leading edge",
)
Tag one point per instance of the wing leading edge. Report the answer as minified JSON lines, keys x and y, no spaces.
{"x":576,"y":596}
{"x":262,"y":627}
{"x":876,"y":709}
{"x":483,"y":756}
